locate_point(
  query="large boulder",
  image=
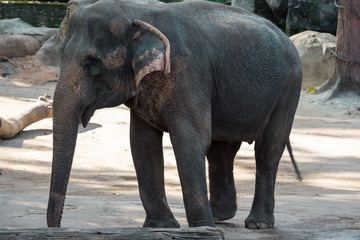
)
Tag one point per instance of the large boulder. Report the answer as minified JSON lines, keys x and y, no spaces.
{"x":312,"y":15}
{"x":17,"y":26}
{"x":49,"y":52}
{"x":318,"y":62}
{"x":19,"y":42}
{"x":18,"y":45}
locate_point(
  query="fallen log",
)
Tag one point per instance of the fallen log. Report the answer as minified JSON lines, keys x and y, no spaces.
{"x":113,"y":233}
{"x":16,"y":123}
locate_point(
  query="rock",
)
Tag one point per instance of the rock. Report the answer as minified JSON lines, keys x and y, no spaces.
{"x":49,"y":52}
{"x":7,"y":67}
{"x":17,"y":26}
{"x":312,"y":15}
{"x":18,"y":45}
{"x":318,"y":62}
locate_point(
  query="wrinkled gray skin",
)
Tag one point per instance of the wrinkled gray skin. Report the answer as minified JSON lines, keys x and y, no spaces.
{"x":231,"y":77}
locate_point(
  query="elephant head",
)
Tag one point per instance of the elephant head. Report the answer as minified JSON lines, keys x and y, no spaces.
{"x":103,"y":59}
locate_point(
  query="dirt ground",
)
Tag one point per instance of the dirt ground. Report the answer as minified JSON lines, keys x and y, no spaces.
{"x":103,"y":192}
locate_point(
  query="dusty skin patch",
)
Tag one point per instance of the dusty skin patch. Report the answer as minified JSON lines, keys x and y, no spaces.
{"x":103,"y":188}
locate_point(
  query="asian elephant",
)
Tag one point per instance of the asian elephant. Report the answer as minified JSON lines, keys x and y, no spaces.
{"x":211,"y":75}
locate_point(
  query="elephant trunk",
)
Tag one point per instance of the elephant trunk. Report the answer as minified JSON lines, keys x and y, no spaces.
{"x":66,"y":117}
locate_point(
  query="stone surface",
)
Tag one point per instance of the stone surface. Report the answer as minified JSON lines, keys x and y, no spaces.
{"x":18,"y":45}
{"x":7,"y":68}
{"x":49,"y":52}
{"x":317,"y":60}
{"x":17,"y":26}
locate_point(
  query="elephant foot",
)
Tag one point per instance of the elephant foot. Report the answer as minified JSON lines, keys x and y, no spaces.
{"x":223,"y":212}
{"x":161,"y":223}
{"x":259,"y":221}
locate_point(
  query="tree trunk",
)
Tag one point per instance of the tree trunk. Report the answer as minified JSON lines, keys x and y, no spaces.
{"x":16,"y":123}
{"x":347,"y":46}
{"x":113,"y":233}
{"x":347,"y":66}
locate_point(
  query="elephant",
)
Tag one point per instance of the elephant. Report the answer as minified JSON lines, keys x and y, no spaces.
{"x":211,"y":75}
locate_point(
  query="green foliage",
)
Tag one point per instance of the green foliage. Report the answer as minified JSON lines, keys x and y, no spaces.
{"x":314,"y":6}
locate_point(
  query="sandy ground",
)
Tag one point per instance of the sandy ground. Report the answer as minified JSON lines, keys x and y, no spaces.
{"x":103,"y":192}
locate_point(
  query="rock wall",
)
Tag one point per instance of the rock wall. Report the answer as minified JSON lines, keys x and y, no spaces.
{"x":36,"y":14}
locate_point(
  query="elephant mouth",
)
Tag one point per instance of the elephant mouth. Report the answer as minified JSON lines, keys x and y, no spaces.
{"x":87,"y":114}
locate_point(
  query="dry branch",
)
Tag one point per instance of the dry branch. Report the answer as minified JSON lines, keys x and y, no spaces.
{"x":16,"y":123}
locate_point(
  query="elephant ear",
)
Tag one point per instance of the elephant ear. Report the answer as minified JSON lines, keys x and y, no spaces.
{"x":151,"y":52}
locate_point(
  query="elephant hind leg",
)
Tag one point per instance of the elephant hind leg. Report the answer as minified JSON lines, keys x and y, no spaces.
{"x":222,"y":188}
{"x":269,"y":147}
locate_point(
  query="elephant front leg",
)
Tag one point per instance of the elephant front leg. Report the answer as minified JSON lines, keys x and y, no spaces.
{"x":222,"y":188}
{"x":146,"y":148}
{"x":190,"y":145}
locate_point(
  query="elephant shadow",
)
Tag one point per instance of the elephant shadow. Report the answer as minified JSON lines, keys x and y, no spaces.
{"x":89,"y":127}
{"x":18,"y":140}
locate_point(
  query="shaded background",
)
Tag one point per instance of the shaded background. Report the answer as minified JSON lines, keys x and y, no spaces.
{"x":42,"y":13}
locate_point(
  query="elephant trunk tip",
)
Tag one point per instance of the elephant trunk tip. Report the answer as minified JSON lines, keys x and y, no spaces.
{"x":55,"y":209}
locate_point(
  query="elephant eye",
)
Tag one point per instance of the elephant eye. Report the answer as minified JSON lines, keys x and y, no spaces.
{"x":92,"y":65}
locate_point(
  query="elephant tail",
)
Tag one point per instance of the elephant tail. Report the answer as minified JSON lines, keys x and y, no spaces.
{"x":288,"y":145}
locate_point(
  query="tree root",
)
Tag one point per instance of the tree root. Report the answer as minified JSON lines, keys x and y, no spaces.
{"x":332,"y":86}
